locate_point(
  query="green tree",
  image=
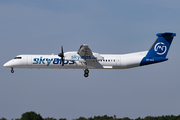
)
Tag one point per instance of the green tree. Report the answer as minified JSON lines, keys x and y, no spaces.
{"x":138,"y":118}
{"x":149,"y":118}
{"x":31,"y":116}
{"x":81,"y":118}
{"x":105,"y":117}
{"x":3,"y":118}
{"x":126,"y":118}
{"x":178,"y":117}
{"x":62,"y":119}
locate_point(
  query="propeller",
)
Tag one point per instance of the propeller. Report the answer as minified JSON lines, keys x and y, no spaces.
{"x":61,"y":55}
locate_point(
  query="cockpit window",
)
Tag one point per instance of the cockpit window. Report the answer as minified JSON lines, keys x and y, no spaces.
{"x":18,"y":58}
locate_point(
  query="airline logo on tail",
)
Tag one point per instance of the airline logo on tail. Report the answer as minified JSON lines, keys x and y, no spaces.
{"x":160,"y":48}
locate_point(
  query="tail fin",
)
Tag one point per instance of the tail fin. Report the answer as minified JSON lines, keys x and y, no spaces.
{"x":159,"y":49}
{"x":161,"y":45}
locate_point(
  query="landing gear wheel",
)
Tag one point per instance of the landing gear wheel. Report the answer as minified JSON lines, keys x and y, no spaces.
{"x":12,"y":71}
{"x":86,"y":74}
{"x":86,"y":71}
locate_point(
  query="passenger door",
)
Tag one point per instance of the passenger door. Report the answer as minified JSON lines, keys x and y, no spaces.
{"x":118,"y":61}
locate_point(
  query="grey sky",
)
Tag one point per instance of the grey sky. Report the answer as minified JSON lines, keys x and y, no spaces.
{"x":41,"y":27}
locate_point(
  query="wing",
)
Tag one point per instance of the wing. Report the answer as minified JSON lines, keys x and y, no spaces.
{"x":84,"y":50}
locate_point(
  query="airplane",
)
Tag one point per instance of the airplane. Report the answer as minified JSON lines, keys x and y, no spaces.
{"x":85,"y":59}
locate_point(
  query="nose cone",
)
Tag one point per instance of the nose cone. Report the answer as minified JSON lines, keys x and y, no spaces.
{"x":8,"y":64}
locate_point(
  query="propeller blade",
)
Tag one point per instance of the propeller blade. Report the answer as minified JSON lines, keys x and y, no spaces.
{"x":62,"y":49}
{"x":62,"y":55}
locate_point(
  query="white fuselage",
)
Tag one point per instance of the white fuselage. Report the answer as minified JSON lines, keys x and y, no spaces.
{"x":85,"y":59}
{"x":109,"y":61}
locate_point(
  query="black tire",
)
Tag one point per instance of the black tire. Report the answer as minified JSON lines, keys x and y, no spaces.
{"x":12,"y":71}
{"x":86,"y":71}
{"x":86,"y":75}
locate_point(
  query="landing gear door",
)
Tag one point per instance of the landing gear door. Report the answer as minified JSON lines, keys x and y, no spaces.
{"x":29,"y":59}
{"x":118,"y":61}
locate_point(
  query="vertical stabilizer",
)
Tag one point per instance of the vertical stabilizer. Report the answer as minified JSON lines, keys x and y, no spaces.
{"x":159,"y":49}
{"x":161,"y":45}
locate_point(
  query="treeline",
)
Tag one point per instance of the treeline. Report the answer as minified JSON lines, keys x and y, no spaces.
{"x":34,"y":116}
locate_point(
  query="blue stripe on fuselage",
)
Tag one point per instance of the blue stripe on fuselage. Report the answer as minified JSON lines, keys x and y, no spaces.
{"x":151,"y":60}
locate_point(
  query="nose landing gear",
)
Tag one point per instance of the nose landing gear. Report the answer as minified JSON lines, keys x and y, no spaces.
{"x":12,"y":71}
{"x":86,"y":73}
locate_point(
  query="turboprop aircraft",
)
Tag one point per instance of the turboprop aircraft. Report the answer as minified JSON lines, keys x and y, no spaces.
{"x":85,"y":59}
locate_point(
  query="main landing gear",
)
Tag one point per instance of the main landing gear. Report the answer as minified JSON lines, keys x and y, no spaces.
{"x":86,"y":73}
{"x":12,"y":71}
